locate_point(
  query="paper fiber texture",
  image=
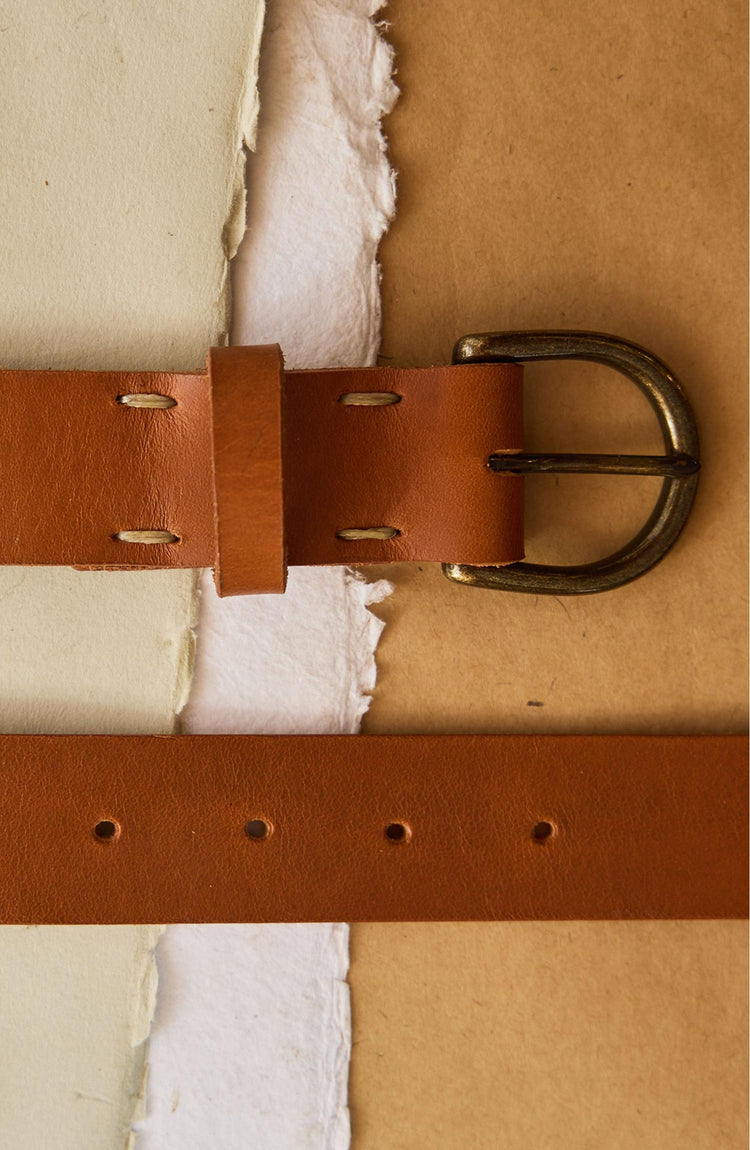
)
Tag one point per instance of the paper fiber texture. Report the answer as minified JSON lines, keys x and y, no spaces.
{"x":251,"y":1040}
{"x":298,"y":663}
{"x":579,"y":1035}
{"x":122,"y":190}
{"x":121,"y":200}
{"x":93,"y":652}
{"x":321,"y":192}
{"x":571,"y":165}
{"x":76,"y":1011}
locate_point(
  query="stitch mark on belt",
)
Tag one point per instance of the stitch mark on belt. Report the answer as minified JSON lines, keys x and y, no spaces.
{"x":147,"y":399}
{"x":353,"y":534}
{"x":149,"y":537}
{"x":369,"y":398}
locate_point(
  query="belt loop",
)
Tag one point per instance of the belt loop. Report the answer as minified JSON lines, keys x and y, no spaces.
{"x":247,"y":404}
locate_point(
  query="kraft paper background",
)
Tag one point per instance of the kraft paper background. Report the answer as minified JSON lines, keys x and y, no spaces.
{"x":568,"y":165}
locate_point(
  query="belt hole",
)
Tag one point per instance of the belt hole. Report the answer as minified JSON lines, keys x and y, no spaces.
{"x":398,"y":832}
{"x":258,"y":829}
{"x":147,"y":399}
{"x":149,"y":537}
{"x":106,"y":830}
{"x":542,"y":831}
{"x":369,"y":398}
{"x":352,"y":534}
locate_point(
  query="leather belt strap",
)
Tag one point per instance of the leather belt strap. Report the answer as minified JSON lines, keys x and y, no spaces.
{"x":97,"y":829}
{"x":245,"y":468}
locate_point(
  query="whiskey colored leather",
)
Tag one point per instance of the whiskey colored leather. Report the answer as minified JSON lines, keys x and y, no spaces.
{"x":644,"y":827}
{"x":419,"y":465}
{"x":77,"y":467}
{"x":248,"y":469}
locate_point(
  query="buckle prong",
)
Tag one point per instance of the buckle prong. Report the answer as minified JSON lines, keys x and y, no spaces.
{"x":671,"y":466}
{"x":679,"y":467}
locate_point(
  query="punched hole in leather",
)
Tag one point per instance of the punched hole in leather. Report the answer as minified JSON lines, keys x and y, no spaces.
{"x":253,"y":828}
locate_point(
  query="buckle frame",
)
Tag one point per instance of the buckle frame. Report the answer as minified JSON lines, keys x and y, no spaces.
{"x":680,"y":466}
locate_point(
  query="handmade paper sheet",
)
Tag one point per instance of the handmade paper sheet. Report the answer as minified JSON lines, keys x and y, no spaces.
{"x":121,"y":203}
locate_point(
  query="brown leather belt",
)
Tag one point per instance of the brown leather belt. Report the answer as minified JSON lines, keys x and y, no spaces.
{"x":97,"y":829}
{"x":246,"y":468}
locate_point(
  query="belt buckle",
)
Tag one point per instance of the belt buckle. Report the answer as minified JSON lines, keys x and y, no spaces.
{"x":679,"y":467}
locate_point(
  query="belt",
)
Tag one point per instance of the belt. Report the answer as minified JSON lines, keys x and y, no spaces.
{"x":246,"y":468}
{"x":214,"y":828}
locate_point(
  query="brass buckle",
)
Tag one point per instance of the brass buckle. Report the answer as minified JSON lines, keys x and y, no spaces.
{"x":679,"y":467}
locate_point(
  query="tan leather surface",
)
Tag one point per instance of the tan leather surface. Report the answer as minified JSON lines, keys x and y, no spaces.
{"x":643,"y":827}
{"x":248,"y":469}
{"x":77,"y":468}
{"x":419,"y":465}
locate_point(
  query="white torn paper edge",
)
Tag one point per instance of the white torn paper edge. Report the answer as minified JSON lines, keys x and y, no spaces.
{"x":285,"y":664}
{"x":250,"y":1043}
{"x":321,"y":191}
{"x":251,"y":1040}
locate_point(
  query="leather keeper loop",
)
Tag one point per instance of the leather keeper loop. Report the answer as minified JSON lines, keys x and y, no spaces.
{"x":247,"y":404}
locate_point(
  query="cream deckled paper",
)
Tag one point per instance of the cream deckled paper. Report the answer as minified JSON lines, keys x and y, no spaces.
{"x":76,"y":1009}
{"x":121,"y":200}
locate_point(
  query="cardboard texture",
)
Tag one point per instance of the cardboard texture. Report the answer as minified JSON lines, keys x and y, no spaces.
{"x":576,"y":166}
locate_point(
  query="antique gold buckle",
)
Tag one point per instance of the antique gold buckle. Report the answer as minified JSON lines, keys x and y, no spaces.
{"x":679,"y":467}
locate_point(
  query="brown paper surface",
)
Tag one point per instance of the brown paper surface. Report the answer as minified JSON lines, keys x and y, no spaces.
{"x":577,"y":166}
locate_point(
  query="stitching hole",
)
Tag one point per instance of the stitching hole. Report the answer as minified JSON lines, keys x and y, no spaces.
{"x":354,"y":534}
{"x":147,"y":399}
{"x":147,"y":537}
